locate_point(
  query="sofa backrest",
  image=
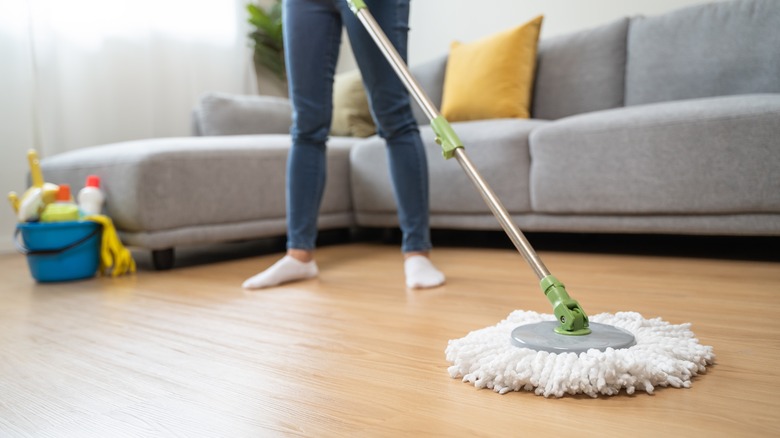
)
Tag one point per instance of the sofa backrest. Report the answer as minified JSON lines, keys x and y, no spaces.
{"x":430,"y":76}
{"x":706,"y":50}
{"x":581,"y":72}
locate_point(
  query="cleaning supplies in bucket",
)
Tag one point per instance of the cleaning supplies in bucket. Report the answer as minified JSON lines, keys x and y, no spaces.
{"x":60,"y":251}
{"x":64,"y":241}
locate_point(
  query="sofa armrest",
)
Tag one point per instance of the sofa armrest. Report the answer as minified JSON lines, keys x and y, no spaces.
{"x":233,"y":114}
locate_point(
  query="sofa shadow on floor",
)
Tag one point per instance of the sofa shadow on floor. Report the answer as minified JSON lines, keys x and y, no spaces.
{"x":748,"y":248}
{"x":755,"y":248}
{"x":195,"y":255}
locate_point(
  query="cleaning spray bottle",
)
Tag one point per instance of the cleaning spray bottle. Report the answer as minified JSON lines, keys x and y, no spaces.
{"x":91,"y":198}
{"x":62,"y":209}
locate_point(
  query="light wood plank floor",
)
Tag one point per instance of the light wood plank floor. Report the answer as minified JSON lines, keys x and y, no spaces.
{"x":188,"y":353}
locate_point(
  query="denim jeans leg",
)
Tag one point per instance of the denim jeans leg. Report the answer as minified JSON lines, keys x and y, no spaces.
{"x":391,"y":108}
{"x":312,"y":35}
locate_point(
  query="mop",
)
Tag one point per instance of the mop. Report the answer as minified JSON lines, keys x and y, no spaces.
{"x":561,"y":353}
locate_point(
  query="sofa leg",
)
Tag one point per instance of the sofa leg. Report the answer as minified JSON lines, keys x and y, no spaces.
{"x":162,"y":259}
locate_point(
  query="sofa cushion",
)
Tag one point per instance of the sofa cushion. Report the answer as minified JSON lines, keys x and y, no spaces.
{"x":493,"y":77}
{"x":703,"y":156}
{"x":498,"y":149}
{"x":178,"y":185}
{"x":581,"y":72}
{"x":714,"y":49}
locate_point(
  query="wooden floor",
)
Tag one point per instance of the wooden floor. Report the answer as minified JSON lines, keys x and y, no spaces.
{"x":188,"y":353}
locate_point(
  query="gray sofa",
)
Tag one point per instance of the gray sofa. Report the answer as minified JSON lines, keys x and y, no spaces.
{"x":665,"y":124}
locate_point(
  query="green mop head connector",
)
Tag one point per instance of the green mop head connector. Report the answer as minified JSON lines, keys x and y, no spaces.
{"x":570,"y":332}
{"x":573,"y":320}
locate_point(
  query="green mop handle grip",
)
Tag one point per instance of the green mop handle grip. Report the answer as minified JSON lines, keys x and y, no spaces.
{"x":356,"y":5}
{"x":567,"y":310}
{"x":445,"y":136}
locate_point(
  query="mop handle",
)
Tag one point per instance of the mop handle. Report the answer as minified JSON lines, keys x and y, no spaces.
{"x":567,"y":311}
{"x":447,"y":138}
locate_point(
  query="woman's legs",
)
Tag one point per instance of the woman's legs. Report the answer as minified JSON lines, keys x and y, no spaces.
{"x":312,"y":36}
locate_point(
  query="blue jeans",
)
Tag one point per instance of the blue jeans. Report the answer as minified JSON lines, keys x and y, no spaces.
{"x":312,"y":35}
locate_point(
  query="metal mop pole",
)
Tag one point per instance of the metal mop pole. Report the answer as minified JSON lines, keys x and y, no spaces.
{"x":568,"y":311}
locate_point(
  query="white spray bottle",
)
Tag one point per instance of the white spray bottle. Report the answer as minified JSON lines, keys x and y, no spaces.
{"x":91,"y":198}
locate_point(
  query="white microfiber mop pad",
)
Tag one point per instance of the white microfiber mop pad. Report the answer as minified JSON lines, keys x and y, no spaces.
{"x":664,"y":355}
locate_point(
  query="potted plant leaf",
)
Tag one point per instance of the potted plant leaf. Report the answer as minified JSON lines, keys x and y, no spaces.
{"x":268,"y":47}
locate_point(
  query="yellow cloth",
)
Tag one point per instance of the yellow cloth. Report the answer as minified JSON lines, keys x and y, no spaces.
{"x":115,"y":259}
{"x":493,"y":77}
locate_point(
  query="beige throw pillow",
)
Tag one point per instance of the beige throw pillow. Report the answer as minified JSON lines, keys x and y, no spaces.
{"x":351,"y":114}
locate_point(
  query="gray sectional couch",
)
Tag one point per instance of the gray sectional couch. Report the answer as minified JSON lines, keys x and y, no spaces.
{"x":664,"y":124}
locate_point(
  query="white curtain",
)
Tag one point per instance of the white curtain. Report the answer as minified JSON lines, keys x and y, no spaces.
{"x":88,"y":72}
{"x":77,"y":73}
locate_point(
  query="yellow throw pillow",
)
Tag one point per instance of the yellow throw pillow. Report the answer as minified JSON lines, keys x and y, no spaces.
{"x":493,"y":77}
{"x":351,"y":116}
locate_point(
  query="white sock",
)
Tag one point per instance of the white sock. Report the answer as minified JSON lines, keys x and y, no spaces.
{"x":420,"y":273}
{"x":285,"y":270}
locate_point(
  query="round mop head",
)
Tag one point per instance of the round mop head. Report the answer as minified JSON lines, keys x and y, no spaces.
{"x":663,"y":355}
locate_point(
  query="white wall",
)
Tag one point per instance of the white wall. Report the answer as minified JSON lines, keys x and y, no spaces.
{"x":434,"y":23}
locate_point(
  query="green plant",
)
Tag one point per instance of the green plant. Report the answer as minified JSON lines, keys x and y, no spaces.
{"x":267,"y":38}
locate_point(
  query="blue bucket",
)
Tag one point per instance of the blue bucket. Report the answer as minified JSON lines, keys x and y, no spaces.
{"x":60,"y":251}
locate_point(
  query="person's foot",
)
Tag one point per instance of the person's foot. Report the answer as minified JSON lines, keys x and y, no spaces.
{"x":420,"y":273}
{"x":286,"y":270}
